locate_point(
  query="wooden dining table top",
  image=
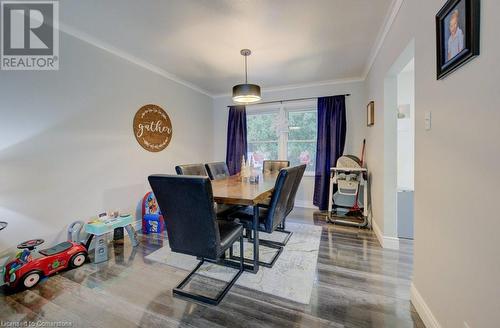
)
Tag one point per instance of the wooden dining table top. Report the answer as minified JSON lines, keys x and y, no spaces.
{"x":232,"y":190}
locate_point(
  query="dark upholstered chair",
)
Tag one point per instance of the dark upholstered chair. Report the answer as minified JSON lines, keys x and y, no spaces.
{"x":217,"y":170}
{"x":289,"y":207}
{"x":191,"y":169}
{"x":199,"y":169}
{"x":192,"y":225}
{"x":296,"y":184}
{"x":271,"y":217}
{"x":273,"y":167}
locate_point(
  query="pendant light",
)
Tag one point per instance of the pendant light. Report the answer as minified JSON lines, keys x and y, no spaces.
{"x":246,"y":93}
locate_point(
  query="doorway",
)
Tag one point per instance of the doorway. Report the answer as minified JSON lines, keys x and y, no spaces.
{"x":406,"y":150}
{"x":399,"y":110}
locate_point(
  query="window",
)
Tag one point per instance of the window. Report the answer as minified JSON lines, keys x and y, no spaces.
{"x":284,"y":132}
{"x":261,"y":137}
{"x":301,"y":143}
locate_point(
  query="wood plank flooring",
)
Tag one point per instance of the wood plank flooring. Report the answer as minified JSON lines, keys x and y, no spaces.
{"x":358,"y":284}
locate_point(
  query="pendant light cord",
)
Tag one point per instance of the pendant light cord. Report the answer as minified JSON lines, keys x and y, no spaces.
{"x":246,"y":75}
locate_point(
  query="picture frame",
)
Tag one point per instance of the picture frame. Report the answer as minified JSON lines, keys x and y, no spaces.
{"x":457,"y":35}
{"x":370,"y":114}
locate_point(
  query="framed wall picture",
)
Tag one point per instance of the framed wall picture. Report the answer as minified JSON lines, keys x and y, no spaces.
{"x":457,"y":35}
{"x":370,"y":113}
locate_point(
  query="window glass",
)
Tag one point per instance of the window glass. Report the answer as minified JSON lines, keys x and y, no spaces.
{"x":298,"y":140}
{"x":261,"y":138}
{"x":301,"y":145}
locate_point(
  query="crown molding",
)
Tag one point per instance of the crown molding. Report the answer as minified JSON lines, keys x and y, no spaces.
{"x":382,"y":34}
{"x":301,"y":85}
{"x":130,"y":58}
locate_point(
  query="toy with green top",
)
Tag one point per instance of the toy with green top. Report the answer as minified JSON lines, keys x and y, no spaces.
{"x":100,"y":227}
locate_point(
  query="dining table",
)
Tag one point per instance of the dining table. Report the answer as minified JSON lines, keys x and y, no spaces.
{"x":236,"y":190}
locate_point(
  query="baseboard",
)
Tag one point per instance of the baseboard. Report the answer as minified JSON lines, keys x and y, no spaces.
{"x":385,"y":241}
{"x":423,"y":310}
{"x":305,"y":204}
{"x":391,"y":242}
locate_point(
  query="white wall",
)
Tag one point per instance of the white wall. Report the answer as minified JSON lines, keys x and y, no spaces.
{"x":67,"y":149}
{"x":356,"y":121}
{"x":456,"y":169}
{"x":406,"y":131}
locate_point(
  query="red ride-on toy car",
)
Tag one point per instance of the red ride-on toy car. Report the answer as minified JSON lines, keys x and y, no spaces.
{"x":30,"y":266}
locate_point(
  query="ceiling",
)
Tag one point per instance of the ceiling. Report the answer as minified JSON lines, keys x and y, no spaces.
{"x":199,"y":41}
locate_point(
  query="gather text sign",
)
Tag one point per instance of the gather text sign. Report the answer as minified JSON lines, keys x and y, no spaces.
{"x":152,"y":128}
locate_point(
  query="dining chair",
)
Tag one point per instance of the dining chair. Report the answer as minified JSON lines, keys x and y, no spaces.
{"x":273,"y":166}
{"x":191,"y":169}
{"x":270,"y":217}
{"x":217,"y":170}
{"x":289,"y":207}
{"x":193,"y":228}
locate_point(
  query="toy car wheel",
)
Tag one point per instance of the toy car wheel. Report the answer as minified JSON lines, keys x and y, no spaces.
{"x":78,"y":260}
{"x":31,"y":279}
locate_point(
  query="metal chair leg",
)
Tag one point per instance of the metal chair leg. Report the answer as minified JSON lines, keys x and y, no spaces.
{"x":269,"y":264}
{"x":275,"y":243}
{"x":278,"y":243}
{"x":177,"y":291}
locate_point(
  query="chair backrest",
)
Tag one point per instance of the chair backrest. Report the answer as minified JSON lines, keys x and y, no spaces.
{"x":279,"y":200}
{"x":296,"y":184}
{"x":273,"y":167}
{"x":191,"y":169}
{"x":187,"y":206}
{"x":217,"y":170}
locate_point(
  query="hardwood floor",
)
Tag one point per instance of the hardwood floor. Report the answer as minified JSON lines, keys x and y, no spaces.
{"x":359,"y":284}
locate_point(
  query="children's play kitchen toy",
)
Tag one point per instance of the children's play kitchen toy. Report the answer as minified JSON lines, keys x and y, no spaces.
{"x":103,"y":225}
{"x":29,"y":266}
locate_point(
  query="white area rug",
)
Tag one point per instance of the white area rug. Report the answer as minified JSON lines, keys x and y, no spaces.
{"x":292,"y":276}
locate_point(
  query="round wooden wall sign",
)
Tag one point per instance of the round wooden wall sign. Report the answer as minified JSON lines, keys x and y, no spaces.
{"x":152,"y":128}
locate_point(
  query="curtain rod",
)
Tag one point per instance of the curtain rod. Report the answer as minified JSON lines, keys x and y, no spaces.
{"x":286,"y":100}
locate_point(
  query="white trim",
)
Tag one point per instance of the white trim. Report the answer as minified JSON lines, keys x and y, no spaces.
{"x":391,"y":242}
{"x":378,"y":233}
{"x":313,"y":84}
{"x":302,"y":85}
{"x":131,"y":58}
{"x":305,"y":204}
{"x":422,"y":308}
{"x":385,"y":241}
{"x":382,"y":34}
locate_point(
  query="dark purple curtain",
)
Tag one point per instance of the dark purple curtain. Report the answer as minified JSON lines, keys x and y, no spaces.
{"x":236,"y":138}
{"x":330,"y":145}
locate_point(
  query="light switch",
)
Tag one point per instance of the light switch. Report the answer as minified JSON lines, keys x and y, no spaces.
{"x":428,"y":120}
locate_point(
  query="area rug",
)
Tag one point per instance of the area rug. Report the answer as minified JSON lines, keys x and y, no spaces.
{"x":292,"y":276}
